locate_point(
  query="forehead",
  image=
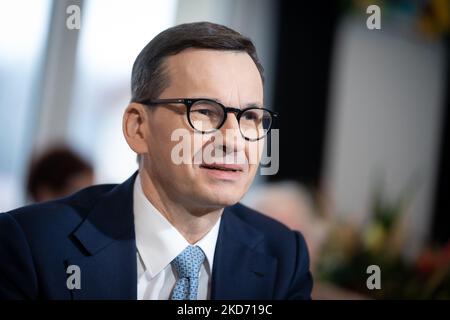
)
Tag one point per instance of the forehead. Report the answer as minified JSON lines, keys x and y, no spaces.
{"x":214,"y":73}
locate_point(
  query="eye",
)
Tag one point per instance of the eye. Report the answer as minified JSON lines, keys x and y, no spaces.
{"x":205,"y":112}
{"x":251,"y":115}
{"x":206,"y":109}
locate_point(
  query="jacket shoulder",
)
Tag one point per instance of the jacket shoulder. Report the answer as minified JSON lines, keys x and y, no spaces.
{"x":60,"y":213}
{"x":279,"y":240}
{"x":270,"y":227}
{"x":85,"y":198}
{"x":288,"y":247}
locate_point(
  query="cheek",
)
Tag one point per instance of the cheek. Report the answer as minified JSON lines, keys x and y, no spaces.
{"x":165,"y":133}
{"x":201,"y":145}
{"x":252,"y":171}
{"x":254,"y":151}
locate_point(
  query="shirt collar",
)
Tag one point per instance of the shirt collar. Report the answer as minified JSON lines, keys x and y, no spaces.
{"x":158,"y":241}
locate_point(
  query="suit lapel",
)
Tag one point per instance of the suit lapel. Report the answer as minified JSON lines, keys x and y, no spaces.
{"x":108,"y":267}
{"x":240,"y":270}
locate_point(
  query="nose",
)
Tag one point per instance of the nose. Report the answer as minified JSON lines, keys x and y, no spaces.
{"x":231,"y":134}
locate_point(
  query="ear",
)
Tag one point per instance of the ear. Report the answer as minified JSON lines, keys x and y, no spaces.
{"x":134,"y":126}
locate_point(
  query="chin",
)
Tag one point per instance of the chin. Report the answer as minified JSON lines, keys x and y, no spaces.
{"x":224,"y":198}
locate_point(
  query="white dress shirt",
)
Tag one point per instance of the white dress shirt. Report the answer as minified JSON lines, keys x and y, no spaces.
{"x":158,"y":243}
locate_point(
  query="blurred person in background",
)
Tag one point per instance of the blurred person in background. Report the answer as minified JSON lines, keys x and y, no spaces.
{"x":56,"y":173}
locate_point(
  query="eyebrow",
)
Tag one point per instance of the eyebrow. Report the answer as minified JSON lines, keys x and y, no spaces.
{"x":247,"y":105}
{"x":253,"y":104}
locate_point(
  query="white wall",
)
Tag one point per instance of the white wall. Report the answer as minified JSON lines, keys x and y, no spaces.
{"x":385,"y":121}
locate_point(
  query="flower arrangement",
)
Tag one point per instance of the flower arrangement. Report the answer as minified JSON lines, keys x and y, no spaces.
{"x":349,"y":250}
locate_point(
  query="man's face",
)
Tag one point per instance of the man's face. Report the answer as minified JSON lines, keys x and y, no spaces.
{"x":231,"y":78}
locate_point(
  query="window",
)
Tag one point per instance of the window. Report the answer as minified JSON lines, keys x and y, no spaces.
{"x":23,"y":31}
{"x":112,"y":35}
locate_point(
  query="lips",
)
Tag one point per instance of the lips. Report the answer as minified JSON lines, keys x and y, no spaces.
{"x":223,"y":167}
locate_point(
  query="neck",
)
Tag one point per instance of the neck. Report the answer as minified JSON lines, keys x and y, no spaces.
{"x":192,"y":223}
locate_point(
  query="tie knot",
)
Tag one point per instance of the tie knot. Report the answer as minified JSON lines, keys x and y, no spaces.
{"x":188,"y":262}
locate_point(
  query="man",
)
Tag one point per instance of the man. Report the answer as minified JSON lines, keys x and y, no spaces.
{"x":173,"y":230}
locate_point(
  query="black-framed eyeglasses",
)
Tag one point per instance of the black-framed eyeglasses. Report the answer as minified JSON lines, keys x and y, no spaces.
{"x":208,"y":115}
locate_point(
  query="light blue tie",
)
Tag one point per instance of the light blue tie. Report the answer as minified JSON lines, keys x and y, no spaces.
{"x":187,"y":264}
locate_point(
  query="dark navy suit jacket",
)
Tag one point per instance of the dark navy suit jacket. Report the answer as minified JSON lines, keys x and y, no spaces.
{"x":255,"y":258}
